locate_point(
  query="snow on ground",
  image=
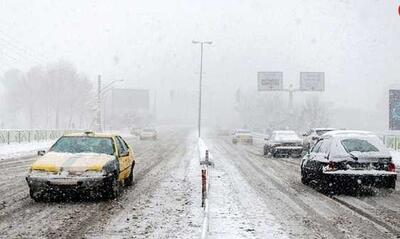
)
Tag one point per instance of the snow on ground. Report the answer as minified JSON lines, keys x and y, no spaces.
{"x":396,"y":158}
{"x":236,"y":211}
{"x":18,"y":150}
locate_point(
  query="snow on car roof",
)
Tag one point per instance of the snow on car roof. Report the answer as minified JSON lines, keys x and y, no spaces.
{"x":336,"y":133}
{"x":91,"y":134}
{"x":284,"y":132}
{"x":323,"y":129}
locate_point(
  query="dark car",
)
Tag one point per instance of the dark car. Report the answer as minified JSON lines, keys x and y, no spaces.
{"x":345,"y":159}
{"x":284,"y":143}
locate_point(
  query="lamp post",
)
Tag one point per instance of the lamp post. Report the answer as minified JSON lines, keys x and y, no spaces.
{"x":100,"y":92}
{"x":201,"y":79}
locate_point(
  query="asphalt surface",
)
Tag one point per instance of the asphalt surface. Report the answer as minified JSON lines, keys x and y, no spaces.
{"x":251,"y":197}
{"x":159,"y":186}
{"x":299,"y":211}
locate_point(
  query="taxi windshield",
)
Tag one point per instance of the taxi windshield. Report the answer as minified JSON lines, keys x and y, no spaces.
{"x":83,"y":144}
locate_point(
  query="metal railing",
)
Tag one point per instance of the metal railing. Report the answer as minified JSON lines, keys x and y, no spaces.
{"x":21,"y":136}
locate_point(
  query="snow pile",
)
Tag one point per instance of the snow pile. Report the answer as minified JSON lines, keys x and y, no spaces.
{"x":16,"y":150}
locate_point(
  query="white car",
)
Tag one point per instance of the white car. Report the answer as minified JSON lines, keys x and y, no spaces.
{"x":284,"y":143}
{"x":313,"y":135}
{"x":242,"y":135}
{"x":148,"y":134}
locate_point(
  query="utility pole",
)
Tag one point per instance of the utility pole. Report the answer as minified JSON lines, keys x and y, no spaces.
{"x":98,"y":121}
{"x":100,"y":92}
{"x":201,"y":79}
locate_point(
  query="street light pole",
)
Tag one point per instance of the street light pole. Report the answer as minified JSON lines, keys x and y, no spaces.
{"x":98,"y":121}
{"x":201,"y":79}
{"x":100,"y":92}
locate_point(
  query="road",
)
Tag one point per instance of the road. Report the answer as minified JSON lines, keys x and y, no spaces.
{"x":250,"y":197}
{"x":267,"y":199}
{"x":160,"y":200}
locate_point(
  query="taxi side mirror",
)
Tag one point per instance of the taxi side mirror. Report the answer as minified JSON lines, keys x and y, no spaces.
{"x":41,"y":152}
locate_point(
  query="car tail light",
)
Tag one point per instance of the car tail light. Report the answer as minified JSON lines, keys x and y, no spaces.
{"x":391,"y":167}
{"x":331,"y":166}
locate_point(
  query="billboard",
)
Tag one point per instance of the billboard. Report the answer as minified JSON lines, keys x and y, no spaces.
{"x":394,"y":109}
{"x":312,"y":81}
{"x":270,"y":80}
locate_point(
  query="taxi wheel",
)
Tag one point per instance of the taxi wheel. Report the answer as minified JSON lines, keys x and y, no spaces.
{"x":113,"y":189}
{"x":129,"y":180}
{"x":35,"y":195}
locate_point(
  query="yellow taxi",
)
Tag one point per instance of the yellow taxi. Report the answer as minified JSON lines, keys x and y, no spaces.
{"x":96,"y":163}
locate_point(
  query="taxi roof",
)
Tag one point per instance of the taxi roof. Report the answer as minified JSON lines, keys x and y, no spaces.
{"x":91,"y":134}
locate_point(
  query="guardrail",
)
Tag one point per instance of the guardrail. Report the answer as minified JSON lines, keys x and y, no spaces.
{"x":20,"y":136}
{"x":205,"y":160}
{"x":391,"y":141}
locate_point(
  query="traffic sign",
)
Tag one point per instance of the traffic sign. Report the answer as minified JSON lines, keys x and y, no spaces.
{"x":270,"y":80}
{"x":312,"y":81}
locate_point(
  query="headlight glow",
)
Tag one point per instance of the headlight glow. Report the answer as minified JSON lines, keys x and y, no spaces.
{"x":40,"y":173}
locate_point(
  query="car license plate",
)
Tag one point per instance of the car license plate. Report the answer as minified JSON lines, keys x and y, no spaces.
{"x":64,"y":181}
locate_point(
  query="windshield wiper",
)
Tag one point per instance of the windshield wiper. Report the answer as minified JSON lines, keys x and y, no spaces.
{"x":353,"y":156}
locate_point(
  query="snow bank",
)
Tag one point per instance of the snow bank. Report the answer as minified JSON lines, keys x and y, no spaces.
{"x":17,"y":150}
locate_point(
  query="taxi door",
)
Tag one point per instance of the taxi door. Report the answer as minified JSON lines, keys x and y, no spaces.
{"x":123,"y":158}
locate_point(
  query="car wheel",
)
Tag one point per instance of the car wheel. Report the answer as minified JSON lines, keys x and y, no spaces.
{"x":113,"y":188}
{"x":304,"y":178}
{"x":390,"y":183}
{"x":129,"y":180}
{"x":265,"y":152}
{"x":35,"y":195}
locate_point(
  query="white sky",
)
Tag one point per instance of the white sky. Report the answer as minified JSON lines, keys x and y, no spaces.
{"x":148,"y":43}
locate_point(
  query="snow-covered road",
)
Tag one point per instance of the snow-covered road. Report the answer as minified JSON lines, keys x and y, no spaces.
{"x":264,"y":198}
{"x":250,"y":197}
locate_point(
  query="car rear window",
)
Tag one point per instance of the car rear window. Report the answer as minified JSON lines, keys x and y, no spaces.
{"x":83,"y":144}
{"x":358,"y":145}
{"x":321,"y":132}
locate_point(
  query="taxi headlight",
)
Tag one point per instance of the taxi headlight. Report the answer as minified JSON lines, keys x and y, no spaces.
{"x":40,"y":173}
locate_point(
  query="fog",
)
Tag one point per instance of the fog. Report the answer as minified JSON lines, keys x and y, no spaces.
{"x":149,"y":45}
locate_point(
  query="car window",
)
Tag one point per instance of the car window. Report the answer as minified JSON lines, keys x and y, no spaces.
{"x":324,"y":146}
{"x":120,"y":148}
{"x":316,"y":147}
{"x":123,"y":143}
{"x":358,"y":145}
{"x":83,"y":144}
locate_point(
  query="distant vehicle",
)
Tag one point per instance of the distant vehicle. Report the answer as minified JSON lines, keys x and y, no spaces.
{"x":344,"y":158}
{"x":148,"y":134}
{"x":284,"y":143}
{"x":242,"y":135}
{"x":135,"y":131}
{"x":313,"y":135}
{"x":84,"y":162}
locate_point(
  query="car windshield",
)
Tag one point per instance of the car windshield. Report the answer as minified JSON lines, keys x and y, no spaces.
{"x":358,"y":145}
{"x":287,"y":135}
{"x":83,"y":144}
{"x":243,"y":132}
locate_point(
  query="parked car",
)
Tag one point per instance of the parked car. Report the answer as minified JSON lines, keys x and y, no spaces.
{"x":242,"y":135}
{"x":82,"y":163}
{"x":148,"y":133}
{"x":313,"y":135}
{"x":342,"y":158}
{"x":284,"y":143}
